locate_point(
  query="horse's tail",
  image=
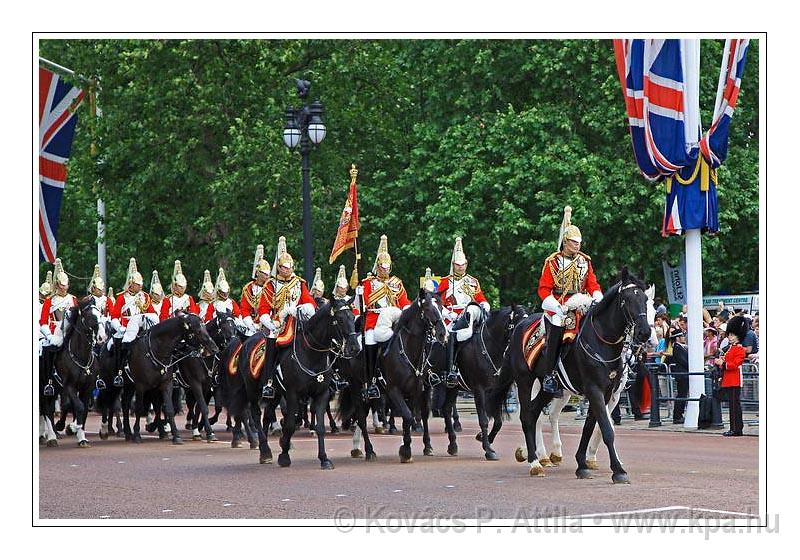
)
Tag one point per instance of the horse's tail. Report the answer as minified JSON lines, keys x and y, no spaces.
{"x":497,"y":394}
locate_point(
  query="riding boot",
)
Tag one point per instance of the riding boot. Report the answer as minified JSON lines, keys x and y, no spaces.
{"x":48,"y":359}
{"x":452,"y":372}
{"x":550,"y":384}
{"x":371,"y":390}
{"x":267,"y":390}
{"x":124,"y":352}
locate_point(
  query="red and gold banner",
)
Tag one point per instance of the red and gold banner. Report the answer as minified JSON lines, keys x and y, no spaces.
{"x":348,"y":223}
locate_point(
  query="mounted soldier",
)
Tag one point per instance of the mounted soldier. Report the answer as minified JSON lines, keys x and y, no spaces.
{"x":156,"y":294}
{"x":284,"y":300}
{"x":205,"y":304}
{"x":464,"y":303}
{"x":251,"y":293}
{"x":128,"y":315}
{"x":178,"y":300}
{"x":55,"y":308}
{"x":567,"y":286}
{"x":45,"y":291}
{"x":317,"y":290}
{"x":222,"y":300}
{"x":384,"y":299}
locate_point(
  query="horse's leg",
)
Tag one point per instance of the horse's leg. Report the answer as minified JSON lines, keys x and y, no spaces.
{"x":191,"y":417}
{"x":105,"y":415}
{"x":425,"y":411}
{"x":139,"y":411}
{"x":125,"y":405}
{"x":483,"y":420}
{"x":408,"y":419}
{"x":200,"y":400}
{"x":78,"y":408}
{"x":536,"y":406}
{"x":254,"y":420}
{"x":361,"y":421}
{"x":319,"y":404}
{"x":447,"y":412}
{"x":556,"y":453}
{"x":597,"y":436}
{"x":331,"y":421}
{"x":597,"y":403}
{"x":289,"y":424}
{"x":169,"y":411}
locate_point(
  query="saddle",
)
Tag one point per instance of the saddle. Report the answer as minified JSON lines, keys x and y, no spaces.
{"x":534,"y":337}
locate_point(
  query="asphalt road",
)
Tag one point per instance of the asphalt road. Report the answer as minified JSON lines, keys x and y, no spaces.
{"x":157,"y":480}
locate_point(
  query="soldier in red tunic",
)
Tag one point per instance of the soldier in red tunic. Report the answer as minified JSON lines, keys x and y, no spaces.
{"x":566,"y":283}
{"x":459,"y":292}
{"x":129,"y":311}
{"x":251,"y":293}
{"x":284,"y":300}
{"x":732,"y":375}
{"x":384,"y":299}
{"x":178,"y":300}
{"x":205,"y":307}
{"x":51,"y":318}
{"x":156,"y":296}
{"x":222,"y":301}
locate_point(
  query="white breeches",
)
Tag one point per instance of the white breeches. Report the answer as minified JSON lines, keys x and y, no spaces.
{"x":135,"y":323}
{"x":473,"y":313}
{"x":384,"y":328}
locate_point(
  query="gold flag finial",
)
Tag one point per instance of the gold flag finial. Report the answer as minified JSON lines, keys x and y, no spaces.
{"x":353,"y":173}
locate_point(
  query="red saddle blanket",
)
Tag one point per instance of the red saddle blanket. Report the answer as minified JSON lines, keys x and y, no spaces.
{"x":534,"y":338}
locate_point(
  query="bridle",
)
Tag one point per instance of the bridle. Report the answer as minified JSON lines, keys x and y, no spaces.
{"x":627,"y":334}
{"x":164,"y":368}
{"x":509,"y":330}
{"x":87,"y":330}
{"x":427,"y":347}
{"x":336,"y":349}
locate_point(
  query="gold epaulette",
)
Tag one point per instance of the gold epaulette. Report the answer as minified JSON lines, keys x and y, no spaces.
{"x":554,"y":255}
{"x":584,"y":255}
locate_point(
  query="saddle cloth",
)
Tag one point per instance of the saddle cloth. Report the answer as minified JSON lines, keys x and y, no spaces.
{"x":534,"y":338}
{"x":255,"y":361}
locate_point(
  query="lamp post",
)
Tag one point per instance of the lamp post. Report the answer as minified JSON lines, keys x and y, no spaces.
{"x":304,"y":127}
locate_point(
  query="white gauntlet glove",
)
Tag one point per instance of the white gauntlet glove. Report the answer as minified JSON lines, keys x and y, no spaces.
{"x":580,"y":302}
{"x":597,"y":296}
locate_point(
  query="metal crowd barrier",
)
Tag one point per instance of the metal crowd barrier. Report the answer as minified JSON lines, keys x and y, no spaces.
{"x":662,"y":379}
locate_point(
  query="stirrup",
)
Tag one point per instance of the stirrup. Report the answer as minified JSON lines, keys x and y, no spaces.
{"x":371,"y":392}
{"x":551,"y":386}
{"x":434,"y":378}
{"x":100,"y":384}
{"x":118,"y":381}
{"x":338,"y":384}
{"x":268,"y":392}
{"x":49,"y":390}
{"x":452,"y":379}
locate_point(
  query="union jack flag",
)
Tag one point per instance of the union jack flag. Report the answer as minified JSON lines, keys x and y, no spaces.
{"x":58,"y":102}
{"x":660,"y":85}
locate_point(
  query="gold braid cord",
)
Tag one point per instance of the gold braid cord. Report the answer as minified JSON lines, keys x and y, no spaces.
{"x":569,"y":278}
{"x":376,"y":295}
{"x":281,"y":296}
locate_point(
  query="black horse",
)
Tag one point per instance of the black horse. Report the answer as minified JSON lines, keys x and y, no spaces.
{"x":479,"y":360}
{"x":196,"y":375}
{"x":306,"y":370}
{"x":593,"y":365}
{"x":76,"y":365}
{"x":152,"y":362}
{"x":403,"y":362}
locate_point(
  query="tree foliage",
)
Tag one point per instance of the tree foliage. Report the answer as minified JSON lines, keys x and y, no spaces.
{"x":486,"y":139}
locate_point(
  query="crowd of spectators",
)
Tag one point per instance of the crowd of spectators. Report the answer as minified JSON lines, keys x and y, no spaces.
{"x":672,"y":346}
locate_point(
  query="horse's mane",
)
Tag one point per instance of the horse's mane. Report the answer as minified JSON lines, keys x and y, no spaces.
{"x":407,"y":314}
{"x":322,"y":310}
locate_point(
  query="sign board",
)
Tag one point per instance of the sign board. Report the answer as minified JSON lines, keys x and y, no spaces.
{"x":748,"y":302}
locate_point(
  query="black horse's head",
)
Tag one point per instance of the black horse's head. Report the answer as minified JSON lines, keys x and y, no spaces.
{"x":222,"y":328}
{"x":431,"y":311}
{"x":195,"y":332}
{"x":84,"y":318}
{"x":343,"y":324}
{"x":632,"y":296}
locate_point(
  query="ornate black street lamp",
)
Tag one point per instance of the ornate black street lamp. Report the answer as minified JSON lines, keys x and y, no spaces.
{"x":304,"y":127}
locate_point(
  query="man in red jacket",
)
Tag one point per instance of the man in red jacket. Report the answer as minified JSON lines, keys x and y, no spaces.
{"x":732,"y":375}
{"x":384,"y":298}
{"x":460,"y":293}
{"x":567,"y":284}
